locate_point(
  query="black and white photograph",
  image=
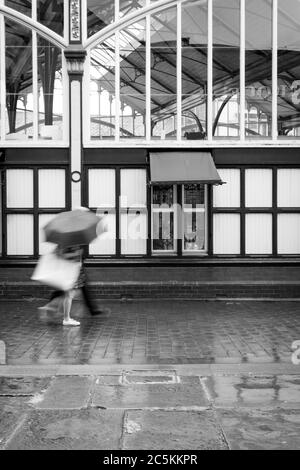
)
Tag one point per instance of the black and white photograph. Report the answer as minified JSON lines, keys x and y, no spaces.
{"x":149,"y":228}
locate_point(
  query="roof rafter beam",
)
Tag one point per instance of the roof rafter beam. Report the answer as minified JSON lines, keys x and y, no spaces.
{"x":142,"y":71}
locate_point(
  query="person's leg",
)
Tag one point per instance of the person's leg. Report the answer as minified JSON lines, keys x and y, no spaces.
{"x":68,"y":321}
{"x":90,"y":304}
{"x":88,"y":301}
{"x":55,"y":295}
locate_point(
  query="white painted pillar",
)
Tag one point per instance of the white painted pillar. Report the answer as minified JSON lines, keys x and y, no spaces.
{"x":75,"y":64}
{"x":275,"y":70}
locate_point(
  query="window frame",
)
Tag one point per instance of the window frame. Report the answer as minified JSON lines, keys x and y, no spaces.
{"x":35,"y":211}
{"x":205,"y":210}
{"x":242,"y":210}
{"x":154,"y":8}
{"x":173,"y":252}
{"x":118,"y":209}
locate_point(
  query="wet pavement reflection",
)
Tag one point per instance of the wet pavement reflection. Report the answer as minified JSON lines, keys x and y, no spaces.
{"x":249,"y":390}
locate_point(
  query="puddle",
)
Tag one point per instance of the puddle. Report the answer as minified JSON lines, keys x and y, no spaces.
{"x":146,"y":377}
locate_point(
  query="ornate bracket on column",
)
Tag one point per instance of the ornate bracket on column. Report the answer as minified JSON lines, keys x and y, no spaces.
{"x":75,"y":61}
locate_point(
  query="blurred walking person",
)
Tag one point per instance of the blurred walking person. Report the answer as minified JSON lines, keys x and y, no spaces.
{"x":75,"y":254}
{"x":70,"y":231}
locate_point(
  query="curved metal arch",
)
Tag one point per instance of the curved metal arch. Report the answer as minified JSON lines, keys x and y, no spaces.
{"x":126,"y":21}
{"x":34,"y":25}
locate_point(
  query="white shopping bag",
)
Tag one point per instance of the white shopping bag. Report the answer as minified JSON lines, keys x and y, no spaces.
{"x":56,"y":272}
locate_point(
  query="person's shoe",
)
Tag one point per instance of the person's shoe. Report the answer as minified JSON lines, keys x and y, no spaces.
{"x":99,"y":312}
{"x":71,"y":322}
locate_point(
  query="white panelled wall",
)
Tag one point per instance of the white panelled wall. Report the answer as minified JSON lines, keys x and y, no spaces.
{"x":133,"y":203}
{"x":228,"y":195}
{"x":19,"y":195}
{"x":20,"y":234}
{"x":289,"y":187}
{"x":227,"y":234}
{"x":226,"y":227}
{"x":23,"y":181}
{"x":252,"y":204}
{"x":52,"y":188}
{"x":44,"y":247}
{"x":31,"y":195}
{"x":288,"y":224}
{"x":258,"y":185}
{"x":258,"y":234}
{"x":258,"y":227}
{"x":256,"y":213}
{"x":132,"y":215}
{"x":102,"y":197}
{"x":288,"y":234}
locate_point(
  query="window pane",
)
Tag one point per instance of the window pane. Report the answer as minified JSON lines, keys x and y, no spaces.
{"x":22,"y":6}
{"x":163,"y":231}
{"x":288,"y":187}
{"x":228,"y":195}
{"x":19,"y":188}
{"x":194,"y":217}
{"x":259,"y":234}
{"x":194,"y":69}
{"x":19,"y":100}
{"x":100,"y":13}
{"x":163,"y":221}
{"x":133,"y":188}
{"x":227,"y":234}
{"x":105,"y":243}
{"x":194,"y":231}
{"x":130,"y":6}
{"x":163,"y":74}
{"x":258,"y":188}
{"x":51,"y":14}
{"x":226,"y":67}
{"x":102,"y":90}
{"x":50,"y":90}
{"x":288,"y":111}
{"x":258,"y":69}
{"x":289,"y":234}
{"x":102,"y":188}
{"x":194,"y":195}
{"x":133,"y":233}
{"x":52,"y":188}
{"x":44,"y":247}
{"x":163,"y":195}
{"x":19,"y":234}
{"x":133,"y":80}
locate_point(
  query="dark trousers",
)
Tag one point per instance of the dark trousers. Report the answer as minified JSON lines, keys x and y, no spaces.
{"x":86,"y":297}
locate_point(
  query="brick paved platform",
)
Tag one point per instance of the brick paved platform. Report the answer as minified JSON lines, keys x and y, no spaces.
{"x":153,"y":332}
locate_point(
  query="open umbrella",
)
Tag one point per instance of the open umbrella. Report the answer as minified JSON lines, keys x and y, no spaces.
{"x":72,"y":228}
